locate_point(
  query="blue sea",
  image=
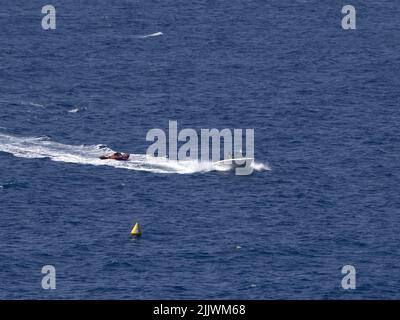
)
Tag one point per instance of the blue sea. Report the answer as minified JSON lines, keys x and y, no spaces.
{"x":324,"y":106}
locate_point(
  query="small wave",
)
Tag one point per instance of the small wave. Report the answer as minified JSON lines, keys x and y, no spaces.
{"x":14,"y":185}
{"x":36,"y":104}
{"x":31,"y":104}
{"x":77,"y":109}
{"x":259,"y":166}
{"x":156,"y":34}
{"x":44,"y":147}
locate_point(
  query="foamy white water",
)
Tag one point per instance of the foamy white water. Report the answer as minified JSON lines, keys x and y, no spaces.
{"x":43,"y":147}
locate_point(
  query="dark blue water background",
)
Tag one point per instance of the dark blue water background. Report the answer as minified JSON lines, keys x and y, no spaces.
{"x":324,"y":104}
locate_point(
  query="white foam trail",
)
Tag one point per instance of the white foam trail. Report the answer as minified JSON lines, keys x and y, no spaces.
{"x":156,"y":34}
{"x":75,"y":110}
{"x":43,"y":147}
{"x":258,"y":166}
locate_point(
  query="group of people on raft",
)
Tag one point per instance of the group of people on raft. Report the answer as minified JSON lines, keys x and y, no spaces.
{"x":116,"y":156}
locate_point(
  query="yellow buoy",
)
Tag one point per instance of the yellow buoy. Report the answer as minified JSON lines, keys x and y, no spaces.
{"x":136,"y":230}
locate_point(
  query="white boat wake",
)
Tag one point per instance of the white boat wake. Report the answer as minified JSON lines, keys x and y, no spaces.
{"x":43,"y":147}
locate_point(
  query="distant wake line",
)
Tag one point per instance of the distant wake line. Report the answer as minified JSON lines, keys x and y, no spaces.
{"x":43,"y":147}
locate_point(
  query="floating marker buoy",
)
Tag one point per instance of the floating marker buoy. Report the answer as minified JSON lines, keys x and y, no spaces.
{"x":136,"y":230}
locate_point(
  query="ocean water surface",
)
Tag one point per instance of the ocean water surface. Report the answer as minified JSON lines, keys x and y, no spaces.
{"x":324,"y":104}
